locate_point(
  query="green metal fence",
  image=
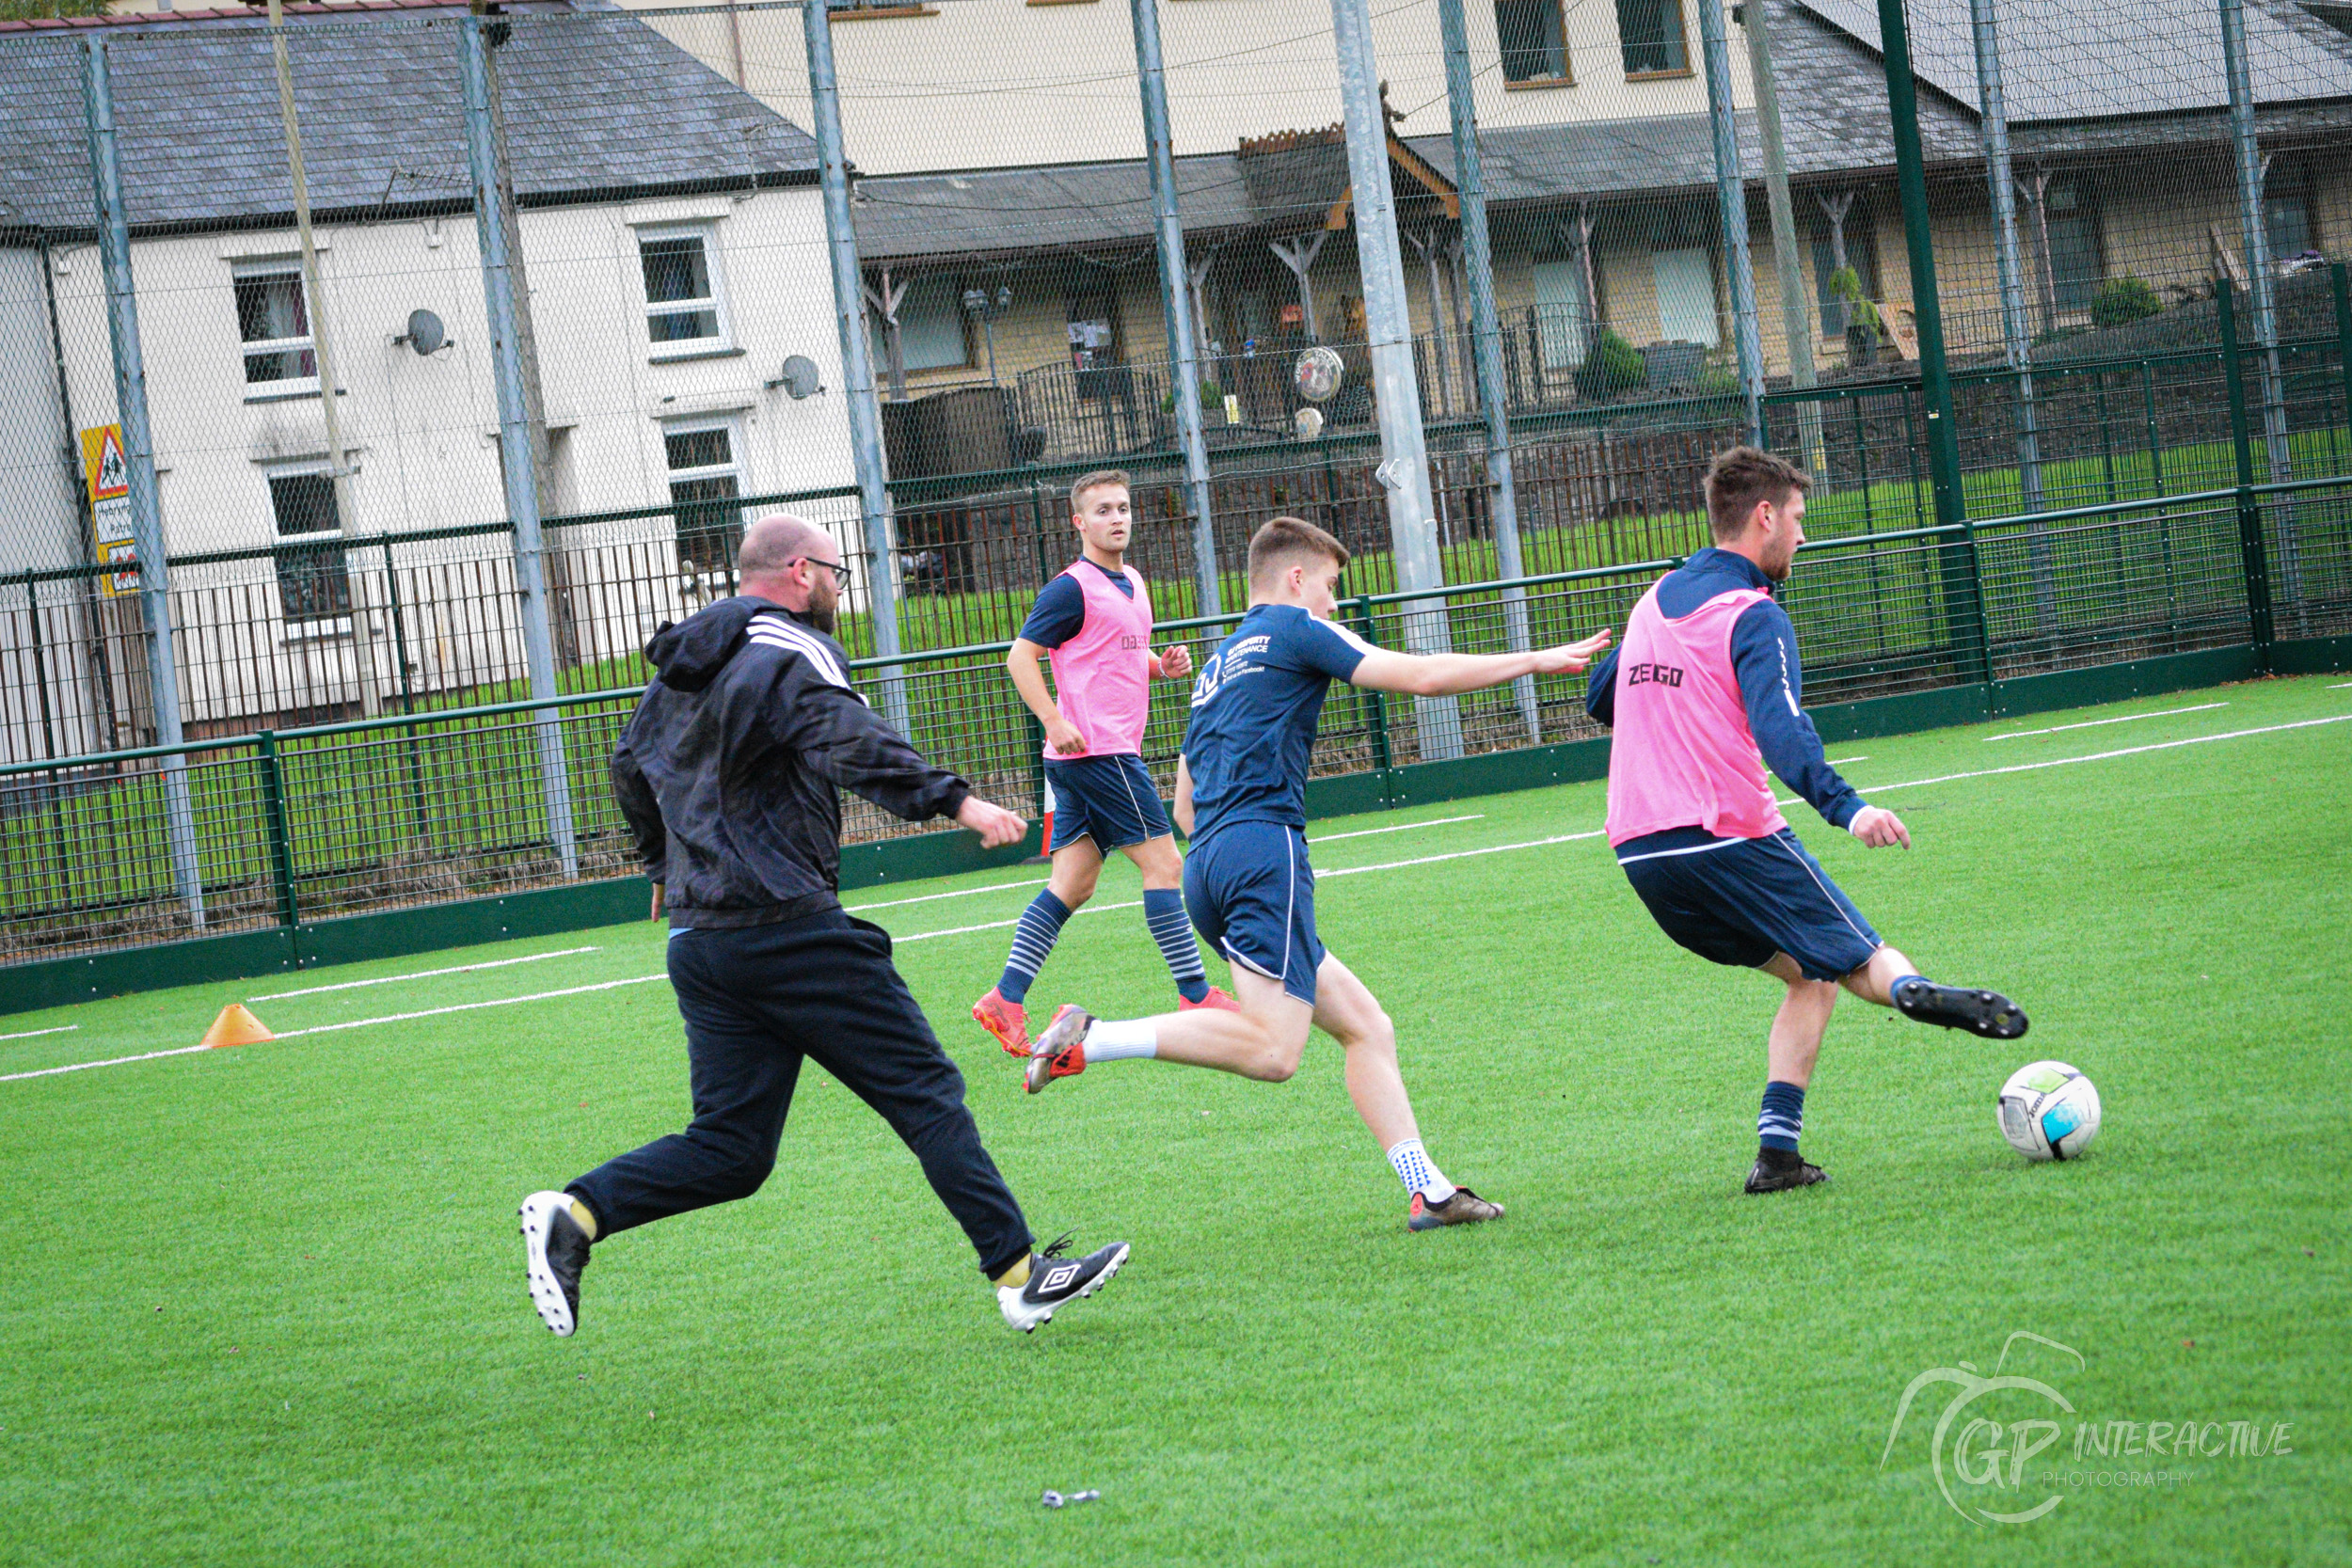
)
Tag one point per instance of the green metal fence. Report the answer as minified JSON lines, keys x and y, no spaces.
{"x":301,"y":824}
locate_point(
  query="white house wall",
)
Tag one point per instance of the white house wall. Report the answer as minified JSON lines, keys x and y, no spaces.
{"x":421,"y":431}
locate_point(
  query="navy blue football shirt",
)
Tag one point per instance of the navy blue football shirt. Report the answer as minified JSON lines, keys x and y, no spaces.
{"x":1255,"y":704}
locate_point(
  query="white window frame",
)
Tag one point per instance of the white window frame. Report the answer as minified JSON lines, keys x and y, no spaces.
{"x":722,"y":338}
{"x":736,"y":466}
{"x":334,"y":623}
{"x":287,"y":387}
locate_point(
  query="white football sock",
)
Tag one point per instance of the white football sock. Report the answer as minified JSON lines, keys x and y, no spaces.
{"x":1112,"y":1039}
{"x":1414,"y":1167}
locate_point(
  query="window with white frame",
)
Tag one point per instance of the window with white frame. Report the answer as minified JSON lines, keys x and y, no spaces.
{"x":684,"y":311}
{"x":704,"y":460}
{"x":274,"y":326}
{"x":313,"y":579}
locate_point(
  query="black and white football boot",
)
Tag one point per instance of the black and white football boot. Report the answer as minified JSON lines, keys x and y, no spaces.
{"x":1777,"y":1170}
{"x":555,"y":1249}
{"x":1056,"y":1282}
{"x":1987,"y":1013}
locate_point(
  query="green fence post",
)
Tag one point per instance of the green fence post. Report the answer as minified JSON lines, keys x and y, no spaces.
{"x":1367,"y":696}
{"x":280,"y":842}
{"x":2344,"y":337}
{"x":2251,"y":554}
{"x":1963,"y":593}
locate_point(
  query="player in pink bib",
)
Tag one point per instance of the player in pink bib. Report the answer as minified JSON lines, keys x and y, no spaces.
{"x":1093,"y":624}
{"x":1702,"y":695}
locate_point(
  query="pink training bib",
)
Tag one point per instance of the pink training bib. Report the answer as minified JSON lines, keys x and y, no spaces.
{"x":1681,"y":755}
{"x":1102,"y":676}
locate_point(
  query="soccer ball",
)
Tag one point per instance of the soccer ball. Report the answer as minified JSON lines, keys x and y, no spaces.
{"x":2049,"y":1111}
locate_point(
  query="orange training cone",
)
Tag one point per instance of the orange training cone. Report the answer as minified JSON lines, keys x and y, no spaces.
{"x":236,"y":1025}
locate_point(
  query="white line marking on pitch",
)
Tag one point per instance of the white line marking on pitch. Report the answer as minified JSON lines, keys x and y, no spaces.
{"x":114,"y":1061}
{"x":1400,"y":828}
{"x":927,"y":898}
{"x":60,"y":1029}
{"x":468,"y":1007}
{"x":1000,"y":924}
{"x":2340,"y":685}
{"x":423,"y":974}
{"x":2094,"y":723}
{"x":1343,"y":871}
{"x":2102,"y":756}
{"x":1840,"y":762}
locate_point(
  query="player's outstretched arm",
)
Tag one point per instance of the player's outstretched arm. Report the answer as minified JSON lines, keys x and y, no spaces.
{"x":1175,"y":663}
{"x":1449,"y":675}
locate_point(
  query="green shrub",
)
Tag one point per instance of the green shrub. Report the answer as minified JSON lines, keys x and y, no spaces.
{"x":1717,"y":381}
{"x":2121,"y":301}
{"x":1847,"y":285}
{"x":1611,"y":365}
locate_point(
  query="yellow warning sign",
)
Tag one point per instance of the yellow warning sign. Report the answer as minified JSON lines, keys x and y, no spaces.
{"x":107,"y":474}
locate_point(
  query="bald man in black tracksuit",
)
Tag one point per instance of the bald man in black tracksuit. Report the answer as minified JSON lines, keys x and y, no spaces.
{"x":729,"y":774}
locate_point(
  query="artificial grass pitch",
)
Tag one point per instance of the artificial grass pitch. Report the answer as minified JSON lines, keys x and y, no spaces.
{"x":265,"y":1305}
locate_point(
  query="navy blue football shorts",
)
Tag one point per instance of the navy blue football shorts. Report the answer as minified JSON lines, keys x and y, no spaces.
{"x":1111,"y":800}
{"x":1740,"y":900}
{"x":1251,"y":895}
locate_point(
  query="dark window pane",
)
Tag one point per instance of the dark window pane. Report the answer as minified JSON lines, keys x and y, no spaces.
{"x":1534,"y":42}
{"x":684,"y":326}
{"x":2287,"y":224}
{"x":2073,"y":221}
{"x":304,"y":503}
{"x":313,"y":582}
{"x":280,"y":364}
{"x":676,"y":269}
{"x":699,"y":449}
{"x":708,"y":526}
{"x":271,"y":307}
{"x":1650,"y":32}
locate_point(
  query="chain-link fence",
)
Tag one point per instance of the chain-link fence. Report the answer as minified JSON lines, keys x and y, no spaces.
{"x":575,"y":277}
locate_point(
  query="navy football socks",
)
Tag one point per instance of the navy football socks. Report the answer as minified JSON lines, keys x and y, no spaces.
{"x":1782,"y":1117}
{"x":1164,"y":913}
{"x":1033,"y":938}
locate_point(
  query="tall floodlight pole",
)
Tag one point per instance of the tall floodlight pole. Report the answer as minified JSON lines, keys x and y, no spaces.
{"x":1963,"y":598}
{"x":1470,"y":184}
{"x":2259,"y":281}
{"x":1176,"y":301}
{"x":515,"y":443}
{"x":139,"y":455}
{"x":2014,"y":335}
{"x":1796,"y":306}
{"x":323,"y":355}
{"x":879,"y":528}
{"x":1731,"y":196}
{"x":1404,"y":469}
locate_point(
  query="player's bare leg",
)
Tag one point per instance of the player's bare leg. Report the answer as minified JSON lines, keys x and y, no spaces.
{"x":1265,"y":1038}
{"x":1790,"y":1052}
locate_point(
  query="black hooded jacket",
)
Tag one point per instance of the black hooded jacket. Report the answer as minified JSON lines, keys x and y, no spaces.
{"x":727,"y":770}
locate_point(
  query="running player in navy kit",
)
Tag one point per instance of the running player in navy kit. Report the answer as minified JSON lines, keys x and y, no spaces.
{"x":1241,"y":794}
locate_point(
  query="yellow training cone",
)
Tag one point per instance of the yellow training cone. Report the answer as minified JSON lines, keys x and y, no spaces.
{"x":236,"y":1025}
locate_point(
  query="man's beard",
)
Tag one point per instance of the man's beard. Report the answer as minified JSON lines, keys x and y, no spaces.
{"x":821,"y":614}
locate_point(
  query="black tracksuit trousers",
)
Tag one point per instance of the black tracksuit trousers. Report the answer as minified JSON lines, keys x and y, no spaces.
{"x":757,"y":1000}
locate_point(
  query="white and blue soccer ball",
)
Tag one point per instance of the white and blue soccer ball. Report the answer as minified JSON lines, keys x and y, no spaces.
{"x":2049,"y":1111}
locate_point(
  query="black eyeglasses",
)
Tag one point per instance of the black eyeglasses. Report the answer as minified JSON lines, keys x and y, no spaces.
{"x":840,"y":569}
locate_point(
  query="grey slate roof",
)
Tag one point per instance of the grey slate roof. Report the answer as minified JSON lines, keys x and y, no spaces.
{"x":598,"y":106}
{"x":2088,"y":59}
{"x":1048,"y":208}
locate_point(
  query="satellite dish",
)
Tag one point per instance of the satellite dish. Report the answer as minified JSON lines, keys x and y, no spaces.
{"x":425,"y":333}
{"x":1318,"y":373}
{"x":799,"y":377}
